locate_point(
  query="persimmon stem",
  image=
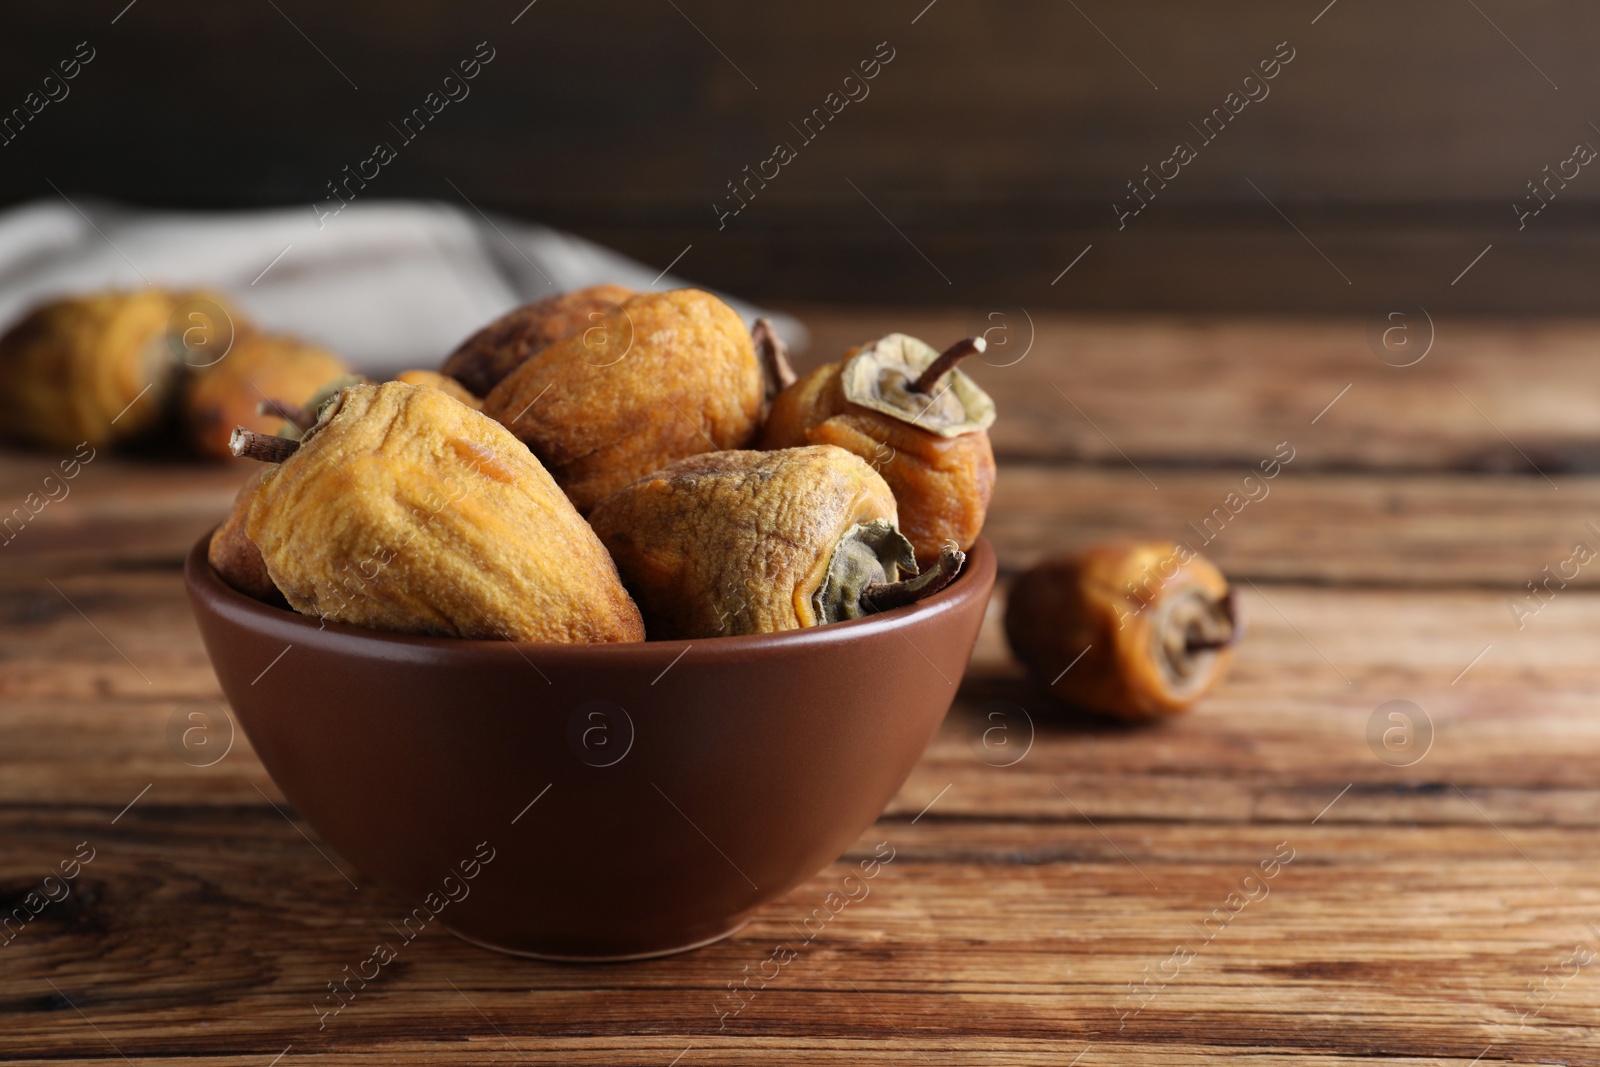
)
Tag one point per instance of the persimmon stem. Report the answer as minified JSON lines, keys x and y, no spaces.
{"x":301,"y":418}
{"x":967,"y":346}
{"x":1195,"y":642}
{"x":886,"y":596}
{"x":248,"y":444}
{"x":774,"y":354}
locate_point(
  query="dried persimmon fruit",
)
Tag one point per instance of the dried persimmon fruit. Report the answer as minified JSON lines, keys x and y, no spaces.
{"x":235,"y":557}
{"x":402,"y":509}
{"x":447,"y":385}
{"x":920,"y":422}
{"x":277,"y":369}
{"x":1138,"y":631}
{"x":663,"y":376}
{"x":99,"y":368}
{"x":742,"y":542}
{"x":482,"y":360}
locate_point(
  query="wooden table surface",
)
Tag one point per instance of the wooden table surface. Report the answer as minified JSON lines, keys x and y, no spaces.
{"x":1078,"y":899}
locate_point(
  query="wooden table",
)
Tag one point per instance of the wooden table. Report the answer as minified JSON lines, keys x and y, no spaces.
{"x":1086,"y":903}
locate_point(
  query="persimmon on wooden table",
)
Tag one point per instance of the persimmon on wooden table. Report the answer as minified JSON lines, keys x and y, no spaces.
{"x":1260,"y":880}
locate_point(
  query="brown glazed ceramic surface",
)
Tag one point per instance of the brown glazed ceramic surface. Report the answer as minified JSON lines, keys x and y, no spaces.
{"x":639,"y":799}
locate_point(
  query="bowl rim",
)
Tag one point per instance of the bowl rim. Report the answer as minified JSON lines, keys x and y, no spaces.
{"x":205,"y":585}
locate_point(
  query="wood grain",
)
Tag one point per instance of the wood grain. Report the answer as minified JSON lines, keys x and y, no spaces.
{"x":1374,"y":942}
{"x":1042,"y":872}
{"x":1116,"y":427}
{"x":1484,"y":396}
{"x":1285,"y":732}
{"x":1305,"y":525}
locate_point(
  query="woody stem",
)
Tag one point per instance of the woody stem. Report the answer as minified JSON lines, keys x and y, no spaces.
{"x":885,"y":596}
{"x":967,"y":346}
{"x":774,"y":354}
{"x":248,"y":444}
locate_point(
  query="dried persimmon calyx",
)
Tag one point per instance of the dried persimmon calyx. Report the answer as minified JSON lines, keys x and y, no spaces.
{"x":1193,"y":625}
{"x":777,"y":373}
{"x":863,"y":576}
{"x":869,"y":553}
{"x":892,"y":375}
{"x":299,"y":419}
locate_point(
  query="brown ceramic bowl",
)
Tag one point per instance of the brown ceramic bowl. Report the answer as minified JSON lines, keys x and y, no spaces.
{"x":633,"y":800}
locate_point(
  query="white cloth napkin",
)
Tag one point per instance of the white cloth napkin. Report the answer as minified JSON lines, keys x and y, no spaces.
{"x":388,"y":285}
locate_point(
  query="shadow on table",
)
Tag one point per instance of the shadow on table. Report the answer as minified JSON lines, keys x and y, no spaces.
{"x":1004,"y":700}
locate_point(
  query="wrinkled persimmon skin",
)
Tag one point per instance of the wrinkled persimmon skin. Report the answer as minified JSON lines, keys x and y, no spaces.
{"x":482,"y":360}
{"x":737,"y":542}
{"x":664,"y":376}
{"x":448,"y":386}
{"x":258,"y":367}
{"x":93,"y":369}
{"x":235,"y":557}
{"x":406,"y":510}
{"x":1105,"y":599}
{"x":943,"y":484}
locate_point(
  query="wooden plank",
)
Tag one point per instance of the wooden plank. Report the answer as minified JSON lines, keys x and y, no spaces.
{"x":1172,"y":390}
{"x":1489,"y":397}
{"x":117,"y":511}
{"x":1278,"y":741}
{"x":1130,"y":395}
{"x":1305,"y":525}
{"x":979,"y":943}
{"x":1032,"y":910}
{"x":1499,"y":531}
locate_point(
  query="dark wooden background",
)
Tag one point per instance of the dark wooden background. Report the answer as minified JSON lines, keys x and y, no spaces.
{"x":996,"y":141}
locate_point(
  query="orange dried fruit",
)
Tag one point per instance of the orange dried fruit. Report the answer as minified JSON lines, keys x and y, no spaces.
{"x":1138,"y":631}
{"x":448,"y":386}
{"x":234,"y":556}
{"x":100,"y":368}
{"x":906,"y":410}
{"x":483,"y":359}
{"x":279,"y":370}
{"x":405,"y":510}
{"x":663,"y":376}
{"x":741,"y":542}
